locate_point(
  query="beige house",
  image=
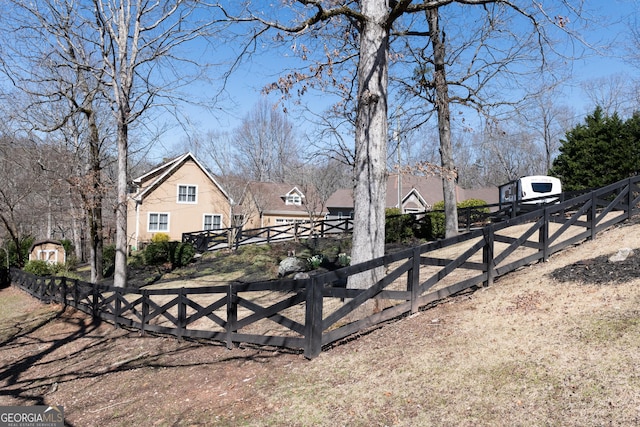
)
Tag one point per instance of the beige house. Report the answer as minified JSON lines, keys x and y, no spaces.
{"x":268,"y":204}
{"x":176,"y":197}
{"x":50,"y":251}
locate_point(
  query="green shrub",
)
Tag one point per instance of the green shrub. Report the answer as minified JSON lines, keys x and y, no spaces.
{"x":38,"y":267}
{"x":178,"y":254}
{"x":436,"y":218}
{"x":156,"y":253}
{"x":436,"y":221}
{"x":343,"y":260}
{"x":398,"y":227}
{"x":316,"y":261}
{"x":136,"y":259}
{"x":19,"y":255}
{"x":68,"y":246}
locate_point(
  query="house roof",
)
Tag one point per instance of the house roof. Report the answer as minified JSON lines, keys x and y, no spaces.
{"x":159,"y":174}
{"x":271,"y":197}
{"x":427,"y":189}
{"x":488,"y":194}
{"x":44,"y":242}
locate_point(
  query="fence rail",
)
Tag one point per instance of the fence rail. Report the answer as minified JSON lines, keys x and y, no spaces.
{"x":312,"y":313}
{"x":208,"y":240}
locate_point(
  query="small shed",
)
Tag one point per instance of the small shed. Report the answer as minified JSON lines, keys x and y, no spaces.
{"x":50,"y":251}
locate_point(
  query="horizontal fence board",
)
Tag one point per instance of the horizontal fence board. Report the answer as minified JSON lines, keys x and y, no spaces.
{"x":269,"y":340}
{"x":362,"y":324}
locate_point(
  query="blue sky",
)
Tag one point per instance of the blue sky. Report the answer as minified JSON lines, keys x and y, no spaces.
{"x":608,"y":24}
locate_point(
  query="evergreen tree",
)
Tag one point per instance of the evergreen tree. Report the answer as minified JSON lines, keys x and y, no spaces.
{"x":599,"y":152}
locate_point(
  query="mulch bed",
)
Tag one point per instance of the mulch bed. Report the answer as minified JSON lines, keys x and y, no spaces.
{"x":600,"y":271}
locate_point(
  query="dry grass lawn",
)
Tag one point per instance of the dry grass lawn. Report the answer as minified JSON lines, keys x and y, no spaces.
{"x":530,"y":350}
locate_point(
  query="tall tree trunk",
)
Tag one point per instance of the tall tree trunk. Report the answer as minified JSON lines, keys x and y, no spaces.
{"x":371,"y":142}
{"x":120,"y":265}
{"x":96,"y":235}
{"x":449,"y":174}
{"x":76,"y":228}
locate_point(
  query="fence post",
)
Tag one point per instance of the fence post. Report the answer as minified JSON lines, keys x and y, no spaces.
{"x":629,"y":199}
{"x":413,"y":280}
{"x":232,"y":314}
{"x":63,"y":287}
{"x":117,"y":307}
{"x":42,"y":288}
{"x":94,"y":303}
{"x":145,"y":310}
{"x":543,"y":236}
{"x":591,"y":216}
{"x":313,"y":319}
{"x":238,"y":237}
{"x":468,"y":213}
{"x":74,"y":294}
{"x":487,"y":255}
{"x":182,"y":314}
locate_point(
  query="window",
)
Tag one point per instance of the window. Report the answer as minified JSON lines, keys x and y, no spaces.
{"x":293,"y":199}
{"x":212,"y":222}
{"x":187,"y":193}
{"x":158,"y":222}
{"x":285,"y":220}
{"x":541,"y":187}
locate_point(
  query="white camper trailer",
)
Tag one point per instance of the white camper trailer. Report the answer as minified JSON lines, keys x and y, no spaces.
{"x":537,"y":189}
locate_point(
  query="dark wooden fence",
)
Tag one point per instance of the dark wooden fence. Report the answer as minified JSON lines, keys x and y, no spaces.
{"x":207,"y":240}
{"x":312,"y":313}
{"x":469,"y":218}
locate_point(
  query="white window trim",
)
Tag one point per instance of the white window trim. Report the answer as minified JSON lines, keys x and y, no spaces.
{"x":187,"y":202}
{"x":204,"y":216}
{"x":158,"y":230}
{"x":293,"y":199}
{"x":44,"y":255}
{"x":281,"y":221}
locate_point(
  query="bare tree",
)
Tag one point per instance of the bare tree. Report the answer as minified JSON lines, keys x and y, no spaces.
{"x":480,"y":65}
{"x":614,"y":94}
{"x":135,"y":39}
{"x":366,"y":25}
{"x":547,"y":120}
{"x":66,"y":98}
{"x":23,"y":190}
{"x":319,"y":181}
{"x":509,"y":154}
{"x":265,"y":147}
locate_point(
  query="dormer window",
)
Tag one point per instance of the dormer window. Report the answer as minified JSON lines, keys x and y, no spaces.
{"x":294,"y":199}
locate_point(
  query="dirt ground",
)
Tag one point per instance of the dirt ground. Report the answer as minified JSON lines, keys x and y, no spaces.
{"x":550,"y":344}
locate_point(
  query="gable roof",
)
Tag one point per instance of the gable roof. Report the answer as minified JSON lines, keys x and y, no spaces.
{"x":488,"y":194}
{"x":159,"y":174}
{"x":45,"y":242}
{"x":427,"y":190}
{"x":271,"y":197}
